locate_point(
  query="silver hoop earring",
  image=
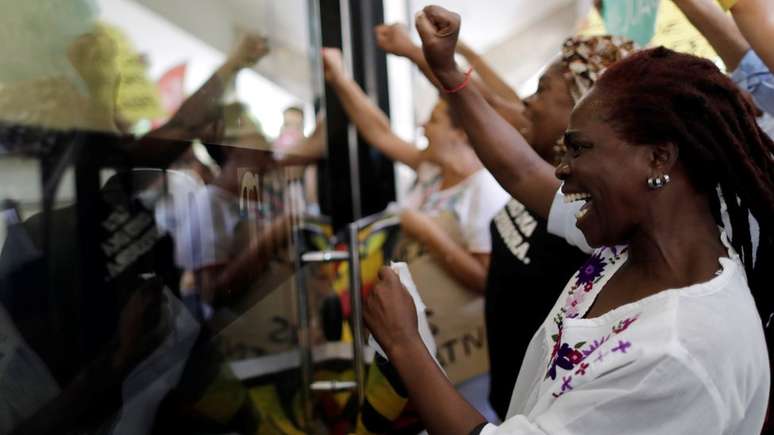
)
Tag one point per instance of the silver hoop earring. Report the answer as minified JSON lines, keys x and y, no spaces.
{"x":658,"y":182}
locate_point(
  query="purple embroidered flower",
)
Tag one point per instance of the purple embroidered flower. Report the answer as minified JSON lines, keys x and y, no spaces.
{"x":591,"y":270}
{"x":566,"y":358}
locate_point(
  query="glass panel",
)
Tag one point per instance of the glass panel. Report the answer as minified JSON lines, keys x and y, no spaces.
{"x":155,"y":195}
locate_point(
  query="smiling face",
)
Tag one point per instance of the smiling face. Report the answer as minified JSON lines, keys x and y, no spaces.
{"x":548,"y":110}
{"x":606,"y":172}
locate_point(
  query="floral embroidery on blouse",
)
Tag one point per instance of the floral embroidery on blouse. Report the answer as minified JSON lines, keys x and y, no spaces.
{"x":591,"y":273}
{"x":576,"y":359}
{"x":587,"y":276}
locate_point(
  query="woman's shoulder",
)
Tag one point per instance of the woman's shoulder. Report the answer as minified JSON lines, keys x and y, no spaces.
{"x":714,"y":330}
{"x":717,"y":322}
{"x":484,"y":188}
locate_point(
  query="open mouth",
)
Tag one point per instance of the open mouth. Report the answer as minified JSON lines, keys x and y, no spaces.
{"x":573,"y":197}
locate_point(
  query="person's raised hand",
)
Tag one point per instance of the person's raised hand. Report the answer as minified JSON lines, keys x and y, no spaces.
{"x":333,"y":64}
{"x":394,"y":39}
{"x":250,"y":49}
{"x":389,"y":312}
{"x":439,"y":29}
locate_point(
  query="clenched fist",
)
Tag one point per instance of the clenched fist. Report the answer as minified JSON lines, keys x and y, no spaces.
{"x":394,"y":39}
{"x":439,"y":28}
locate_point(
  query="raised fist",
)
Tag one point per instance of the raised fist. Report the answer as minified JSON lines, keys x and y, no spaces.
{"x":333,"y":63}
{"x":438,"y":28}
{"x":394,"y":39}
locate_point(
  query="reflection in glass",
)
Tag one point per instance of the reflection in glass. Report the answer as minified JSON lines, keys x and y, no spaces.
{"x":154,"y":201}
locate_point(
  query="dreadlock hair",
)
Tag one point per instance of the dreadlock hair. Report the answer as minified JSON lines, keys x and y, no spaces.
{"x":658,"y":96}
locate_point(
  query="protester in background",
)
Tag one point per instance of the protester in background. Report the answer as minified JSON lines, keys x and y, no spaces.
{"x":450,"y":179}
{"x":292,"y":129}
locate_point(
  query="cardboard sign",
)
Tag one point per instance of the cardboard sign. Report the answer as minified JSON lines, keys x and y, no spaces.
{"x":455,"y":313}
{"x":456,"y":317}
{"x":269,"y":320}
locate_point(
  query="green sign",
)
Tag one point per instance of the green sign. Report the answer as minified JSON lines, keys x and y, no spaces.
{"x":635,"y":19}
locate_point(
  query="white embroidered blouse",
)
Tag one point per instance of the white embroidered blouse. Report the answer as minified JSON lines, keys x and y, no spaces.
{"x":683,"y":361}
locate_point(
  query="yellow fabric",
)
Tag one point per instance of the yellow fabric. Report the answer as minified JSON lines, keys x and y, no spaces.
{"x":673,"y":31}
{"x":108,"y":52}
{"x":372,"y":259}
{"x":223,"y":397}
{"x":382,"y":396}
{"x":727,"y":4}
{"x":273,"y":419}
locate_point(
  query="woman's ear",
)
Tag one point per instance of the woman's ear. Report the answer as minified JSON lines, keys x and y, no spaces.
{"x":663,"y":157}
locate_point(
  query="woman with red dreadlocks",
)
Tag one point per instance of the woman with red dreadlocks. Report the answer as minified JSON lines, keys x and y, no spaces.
{"x":670,"y":179}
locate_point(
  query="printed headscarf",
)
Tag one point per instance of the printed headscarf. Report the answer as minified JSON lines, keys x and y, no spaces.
{"x":587,"y":57}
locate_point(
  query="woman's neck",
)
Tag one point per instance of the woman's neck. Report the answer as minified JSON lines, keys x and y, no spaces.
{"x":679,"y":244}
{"x":457,"y":166}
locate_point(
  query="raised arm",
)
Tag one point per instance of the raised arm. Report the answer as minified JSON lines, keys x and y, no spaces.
{"x":718,"y":28}
{"x":370,"y":121}
{"x":489,"y":76}
{"x":501,"y":148}
{"x":468,"y":268}
{"x":755,"y":19}
{"x":198,"y":111}
{"x":394,"y":39}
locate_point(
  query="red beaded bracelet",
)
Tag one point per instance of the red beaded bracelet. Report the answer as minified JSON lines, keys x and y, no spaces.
{"x":462,"y":85}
